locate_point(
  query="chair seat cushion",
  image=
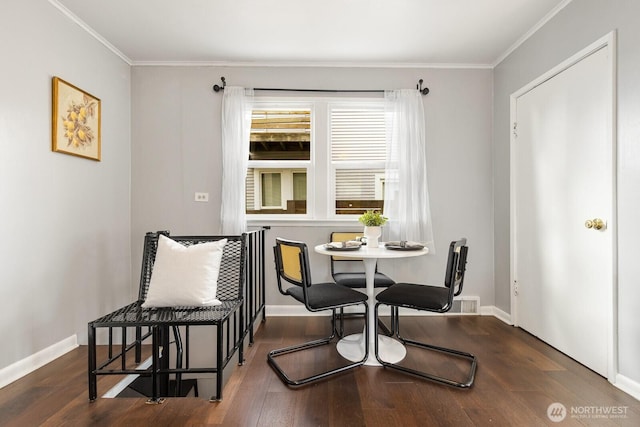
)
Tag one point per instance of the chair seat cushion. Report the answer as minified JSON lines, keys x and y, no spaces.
{"x":327,"y":295}
{"x":420,"y":297}
{"x":358,"y":280}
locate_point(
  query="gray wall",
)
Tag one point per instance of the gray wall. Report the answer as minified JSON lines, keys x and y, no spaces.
{"x":176,"y":152}
{"x":575,"y":27}
{"x":65,"y":244}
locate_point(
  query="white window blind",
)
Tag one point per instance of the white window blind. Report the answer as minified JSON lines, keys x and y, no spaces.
{"x":358,"y":152}
{"x":357,"y":184}
{"x":358,"y":134}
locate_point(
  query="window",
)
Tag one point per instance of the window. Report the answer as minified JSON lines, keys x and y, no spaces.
{"x":320,"y":158}
{"x":279,"y":157}
{"x":358,"y":153}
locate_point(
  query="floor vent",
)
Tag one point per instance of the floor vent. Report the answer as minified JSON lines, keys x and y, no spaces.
{"x":466,"y":305}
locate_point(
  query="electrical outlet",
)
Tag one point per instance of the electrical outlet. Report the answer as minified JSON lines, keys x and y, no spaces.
{"x":202,"y":197}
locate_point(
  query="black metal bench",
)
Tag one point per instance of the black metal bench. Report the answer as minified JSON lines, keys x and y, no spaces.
{"x":241,"y":291}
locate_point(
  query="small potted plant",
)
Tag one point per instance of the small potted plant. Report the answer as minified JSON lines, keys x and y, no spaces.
{"x":373,"y":222}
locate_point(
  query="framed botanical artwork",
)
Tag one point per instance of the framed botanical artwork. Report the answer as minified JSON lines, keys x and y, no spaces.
{"x":75,"y":120}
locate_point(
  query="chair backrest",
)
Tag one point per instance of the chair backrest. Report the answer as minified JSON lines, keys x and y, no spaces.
{"x":231,"y":276}
{"x":292,"y":263}
{"x":344,"y":236}
{"x":456,"y":267}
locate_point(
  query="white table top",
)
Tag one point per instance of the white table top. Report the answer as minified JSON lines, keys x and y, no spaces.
{"x":367,"y":252}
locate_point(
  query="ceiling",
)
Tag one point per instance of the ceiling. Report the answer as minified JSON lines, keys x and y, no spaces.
{"x":311,"y":32}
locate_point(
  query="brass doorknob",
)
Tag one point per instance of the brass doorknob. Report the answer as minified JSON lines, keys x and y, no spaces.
{"x":596,"y":224}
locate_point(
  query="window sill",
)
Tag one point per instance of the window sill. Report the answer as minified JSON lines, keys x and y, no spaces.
{"x":304,"y":222}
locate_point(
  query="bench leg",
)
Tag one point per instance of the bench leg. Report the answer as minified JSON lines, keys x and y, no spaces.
{"x":241,"y":337}
{"x":155,"y":364}
{"x":138,"y":344}
{"x":219,"y":368}
{"x":178,"y":339}
{"x":93,"y":386}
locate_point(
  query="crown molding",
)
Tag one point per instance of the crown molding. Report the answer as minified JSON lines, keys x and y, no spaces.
{"x":303,"y":64}
{"x":531,"y":32}
{"x":74,"y":18}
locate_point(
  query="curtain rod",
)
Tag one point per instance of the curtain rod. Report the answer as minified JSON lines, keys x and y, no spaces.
{"x":423,"y":91}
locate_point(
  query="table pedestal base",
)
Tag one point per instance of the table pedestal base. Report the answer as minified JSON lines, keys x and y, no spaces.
{"x":351,"y":348}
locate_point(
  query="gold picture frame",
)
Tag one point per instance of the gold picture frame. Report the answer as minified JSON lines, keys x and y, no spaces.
{"x":76,"y":121}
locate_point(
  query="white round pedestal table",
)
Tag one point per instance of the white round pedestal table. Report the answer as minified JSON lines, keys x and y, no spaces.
{"x":352,"y":347}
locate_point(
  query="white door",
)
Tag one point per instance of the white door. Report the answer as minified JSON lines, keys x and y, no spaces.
{"x":563,"y":162}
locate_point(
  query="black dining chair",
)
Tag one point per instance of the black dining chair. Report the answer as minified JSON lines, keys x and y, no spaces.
{"x":437,"y":299}
{"x":349,"y":272}
{"x":292,"y":266}
{"x":351,"y":278}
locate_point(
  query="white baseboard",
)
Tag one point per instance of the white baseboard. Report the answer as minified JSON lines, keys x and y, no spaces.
{"x":29,"y":364}
{"x":492,"y":310}
{"x":300,"y":310}
{"x":292,"y":310}
{"x":628,"y":385}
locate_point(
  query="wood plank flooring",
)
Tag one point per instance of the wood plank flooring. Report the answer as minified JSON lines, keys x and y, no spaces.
{"x":518,"y":378}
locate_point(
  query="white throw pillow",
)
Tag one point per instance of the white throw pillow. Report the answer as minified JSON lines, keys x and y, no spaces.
{"x":185,"y":276}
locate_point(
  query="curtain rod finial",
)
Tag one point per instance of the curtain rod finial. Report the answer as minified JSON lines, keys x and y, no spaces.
{"x":422,"y":90}
{"x":218,"y":88}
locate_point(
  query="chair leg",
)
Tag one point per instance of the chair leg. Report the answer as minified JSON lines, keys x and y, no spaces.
{"x":337,"y":322}
{"x":309,"y":345}
{"x":338,"y":319}
{"x":451,"y":352}
{"x":394,"y":320}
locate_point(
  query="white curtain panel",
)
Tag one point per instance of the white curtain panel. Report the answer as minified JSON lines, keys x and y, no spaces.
{"x":236,"y":128}
{"x":406,"y":194}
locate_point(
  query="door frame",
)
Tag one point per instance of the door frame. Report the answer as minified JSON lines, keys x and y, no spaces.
{"x":608,"y":41}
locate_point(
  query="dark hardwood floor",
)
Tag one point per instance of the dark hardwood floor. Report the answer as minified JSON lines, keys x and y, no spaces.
{"x":518,"y":378}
